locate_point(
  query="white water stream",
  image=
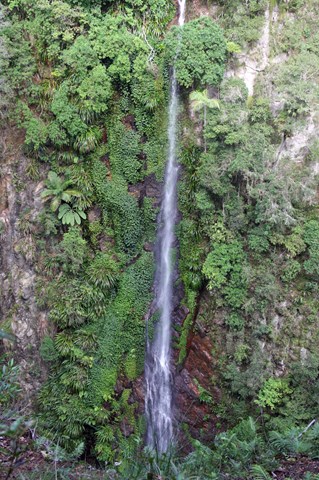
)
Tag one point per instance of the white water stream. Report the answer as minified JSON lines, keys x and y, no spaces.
{"x":158,"y":399}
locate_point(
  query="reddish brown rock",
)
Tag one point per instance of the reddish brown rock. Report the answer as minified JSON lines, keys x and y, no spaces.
{"x":138,"y":394}
{"x":126,"y":427}
{"x":197,"y":373}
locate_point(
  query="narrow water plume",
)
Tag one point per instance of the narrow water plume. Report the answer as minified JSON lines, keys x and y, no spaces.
{"x":158,"y":399}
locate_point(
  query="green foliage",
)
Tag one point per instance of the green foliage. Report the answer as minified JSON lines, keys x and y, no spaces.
{"x":70,"y":214}
{"x":18,"y":61}
{"x":234,"y":91}
{"x":73,"y":302}
{"x":95,"y":91}
{"x":13,"y":426}
{"x":73,"y":251}
{"x":233,"y":47}
{"x":122,"y":329}
{"x":88,"y":140}
{"x":56,"y":452}
{"x":115,"y":44}
{"x":272,"y":393}
{"x":297,"y":441}
{"x":244,"y":383}
{"x":13,"y":431}
{"x":294,"y":242}
{"x":258,"y":240}
{"x":90,"y":83}
{"x":103,"y":270}
{"x":113,"y":197}
{"x":58,"y":191}
{"x":200,"y":100}
{"x":259,"y":473}
{"x":235,"y":321}
{"x":125,"y":148}
{"x":243,"y":21}
{"x":157,"y":12}
{"x":291,"y":270}
{"x":36,"y":132}
{"x":47,"y":350}
{"x":234,"y":453}
{"x":9,"y":382}
{"x":201,"y":52}
{"x":302,"y":404}
{"x":297,"y":83}
{"x":311,"y":238}
{"x":223,"y":269}
{"x":241,"y":353}
{"x":67,"y":118}
{"x":130,"y":365}
{"x":192,"y":255}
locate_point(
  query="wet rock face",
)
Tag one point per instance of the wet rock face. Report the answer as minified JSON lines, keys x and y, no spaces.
{"x":149,"y":187}
{"x":194,"y":390}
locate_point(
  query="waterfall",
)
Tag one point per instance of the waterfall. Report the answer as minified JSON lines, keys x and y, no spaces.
{"x":157,"y":367}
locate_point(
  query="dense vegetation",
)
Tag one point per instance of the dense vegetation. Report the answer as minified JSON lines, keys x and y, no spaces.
{"x":88,"y":84}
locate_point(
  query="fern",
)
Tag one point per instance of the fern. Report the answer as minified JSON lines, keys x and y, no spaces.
{"x":259,"y":473}
{"x":55,"y":452}
{"x":311,"y":476}
{"x":288,"y":443}
{"x":104,"y":270}
{"x":88,"y":141}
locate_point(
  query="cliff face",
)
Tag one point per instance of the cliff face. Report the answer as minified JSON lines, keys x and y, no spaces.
{"x":20,"y":205}
{"x":230,"y":354}
{"x":244,"y":313}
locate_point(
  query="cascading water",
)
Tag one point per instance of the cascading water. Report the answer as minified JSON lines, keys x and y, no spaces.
{"x":157,"y":368}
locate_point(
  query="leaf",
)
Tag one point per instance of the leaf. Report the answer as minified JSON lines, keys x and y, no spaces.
{"x":200,"y":100}
{"x":63,"y":210}
{"x":259,"y":473}
{"x":66,"y":197}
{"x":55,"y":204}
{"x":68,"y":218}
{"x":73,"y":193}
{"x":53,"y":177}
{"x":46,"y":193}
{"x":77,"y":218}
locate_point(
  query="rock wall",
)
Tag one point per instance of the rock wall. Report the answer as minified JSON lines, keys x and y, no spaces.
{"x":20,"y":204}
{"x":198,"y":379}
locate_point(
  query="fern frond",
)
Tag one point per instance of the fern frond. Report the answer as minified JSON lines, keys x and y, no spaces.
{"x":259,"y":473}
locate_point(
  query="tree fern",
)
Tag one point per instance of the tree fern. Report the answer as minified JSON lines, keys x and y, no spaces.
{"x":58,"y":190}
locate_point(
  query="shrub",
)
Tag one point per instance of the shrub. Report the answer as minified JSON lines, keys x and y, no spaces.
{"x":223,"y":269}
{"x":272,"y":393}
{"x":311,"y":238}
{"x":73,"y":251}
{"x":291,"y":270}
{"x":103,"y":270}
{"x":201,"y":51}
{"x":9,"y":382}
